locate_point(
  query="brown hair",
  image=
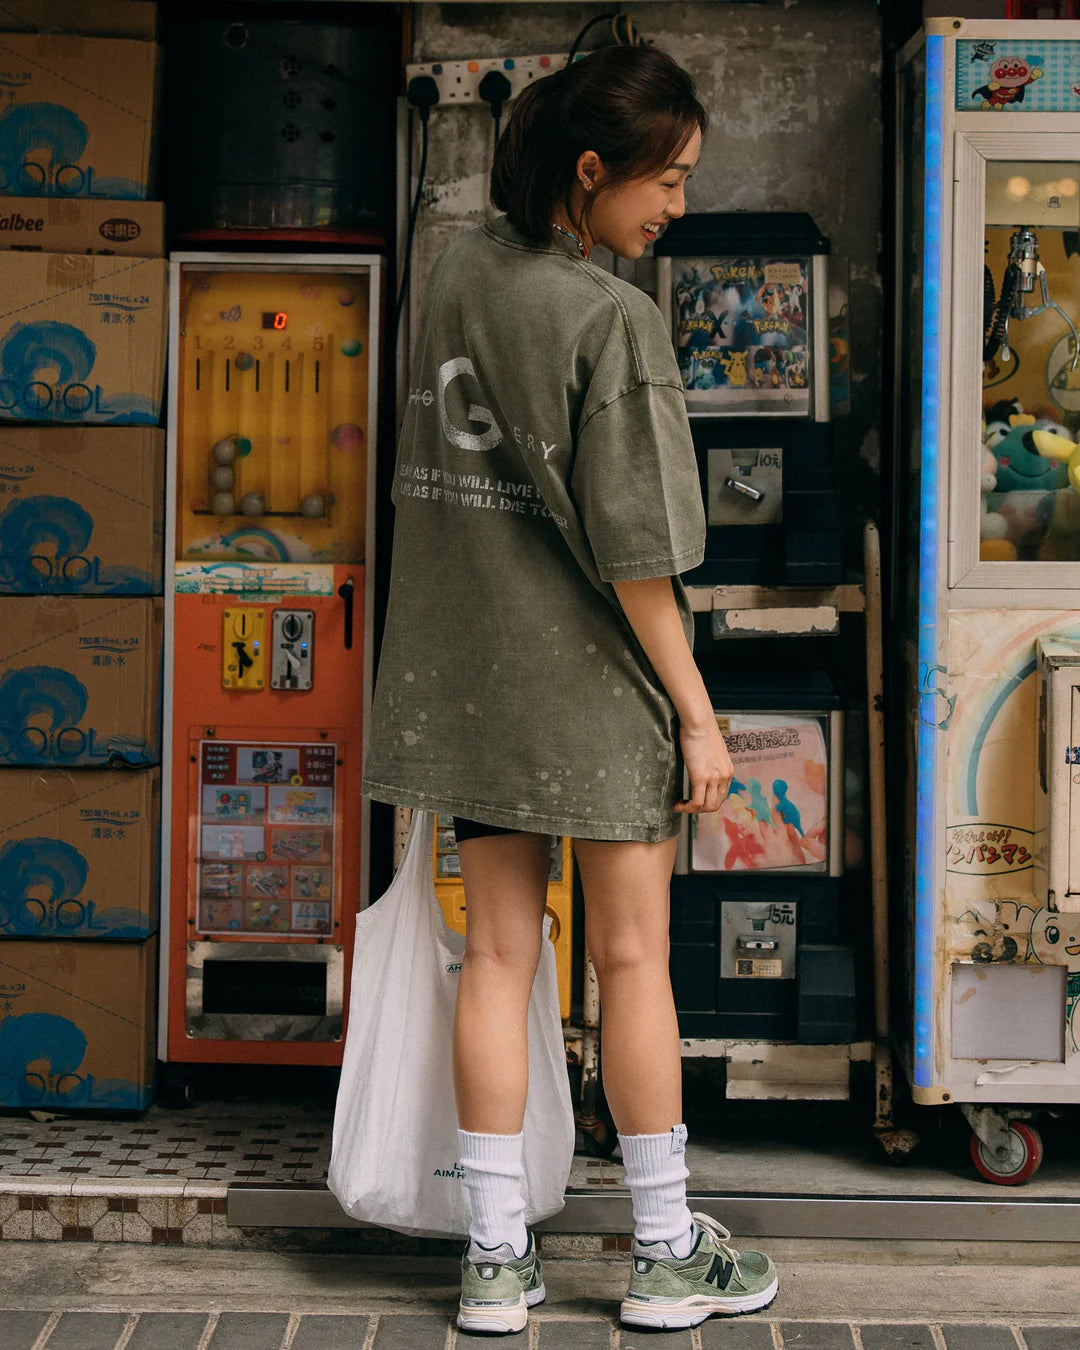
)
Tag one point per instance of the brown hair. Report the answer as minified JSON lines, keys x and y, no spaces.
{"x":633,"y":105}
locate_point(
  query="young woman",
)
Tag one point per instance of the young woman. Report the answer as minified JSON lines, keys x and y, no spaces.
{"x":536,"y":675}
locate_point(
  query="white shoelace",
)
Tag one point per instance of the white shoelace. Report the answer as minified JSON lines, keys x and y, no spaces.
{"x":720,"y":1236}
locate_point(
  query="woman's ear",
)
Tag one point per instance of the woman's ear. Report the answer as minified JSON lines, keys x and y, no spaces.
{"x":590,"y":170}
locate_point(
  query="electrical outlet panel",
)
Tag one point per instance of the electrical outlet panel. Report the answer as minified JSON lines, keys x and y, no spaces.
{"x":459,"y":81}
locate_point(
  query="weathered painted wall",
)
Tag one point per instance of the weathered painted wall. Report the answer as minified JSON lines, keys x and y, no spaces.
{"x":794,"y":93}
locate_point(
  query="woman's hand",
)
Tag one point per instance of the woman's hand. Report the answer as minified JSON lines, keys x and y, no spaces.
{"x":708,"y":765}
{"x":653,"y":614}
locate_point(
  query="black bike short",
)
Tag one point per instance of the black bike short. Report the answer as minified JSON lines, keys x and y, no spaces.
{"x":476,"y":829}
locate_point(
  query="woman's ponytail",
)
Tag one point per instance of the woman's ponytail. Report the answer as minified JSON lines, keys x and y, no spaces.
{"x":531,"y":157}
{"x":634,"y":106}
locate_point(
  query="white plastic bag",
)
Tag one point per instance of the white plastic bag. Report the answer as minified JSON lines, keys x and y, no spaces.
{"x":394,"y":1161}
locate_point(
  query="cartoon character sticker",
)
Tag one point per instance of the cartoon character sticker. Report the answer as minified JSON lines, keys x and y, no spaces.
{"x":1009,"y":78}
{"x":726,"y":311}
{"x":1054,"y":940}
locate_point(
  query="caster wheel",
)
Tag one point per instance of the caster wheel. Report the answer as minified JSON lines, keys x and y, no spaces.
{"x":1025,"y":1154}
{"x":175,"y":1089}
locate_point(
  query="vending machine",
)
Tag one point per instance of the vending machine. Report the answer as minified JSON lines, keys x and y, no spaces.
{"x":757,"y":310}
{"x":272,"y":416}
{"x":762,"y":947}
{"x":986,"y":571}
{"x":758,"y":943}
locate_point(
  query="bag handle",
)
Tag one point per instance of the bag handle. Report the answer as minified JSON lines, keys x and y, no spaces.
{"x":417,"y":855}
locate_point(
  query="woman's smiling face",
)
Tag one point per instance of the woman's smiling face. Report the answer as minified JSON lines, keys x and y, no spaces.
{"x":628,"y":217}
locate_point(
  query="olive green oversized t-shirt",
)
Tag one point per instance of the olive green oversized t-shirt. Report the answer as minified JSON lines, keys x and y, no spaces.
{"x":545,"y":453}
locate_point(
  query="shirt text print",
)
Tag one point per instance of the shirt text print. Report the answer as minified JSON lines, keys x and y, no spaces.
{"x":462,"y":438}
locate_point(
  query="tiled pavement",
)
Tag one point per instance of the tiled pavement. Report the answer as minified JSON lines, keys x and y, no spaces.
{"x":215,"y":1142}
{"x":403,"y":1331}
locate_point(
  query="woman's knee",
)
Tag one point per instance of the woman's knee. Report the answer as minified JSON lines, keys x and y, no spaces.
{"x":506,"y":954}
{"x":628,"y":951}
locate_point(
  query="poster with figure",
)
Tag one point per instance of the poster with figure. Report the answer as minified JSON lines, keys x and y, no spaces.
{"x":740,"y":328}
{"x":776,"y":814}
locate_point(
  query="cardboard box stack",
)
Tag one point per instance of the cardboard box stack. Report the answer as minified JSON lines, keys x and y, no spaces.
{"x":82,"y":363}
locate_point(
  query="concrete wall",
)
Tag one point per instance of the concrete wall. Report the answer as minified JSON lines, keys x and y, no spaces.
{"x":794,"y":93}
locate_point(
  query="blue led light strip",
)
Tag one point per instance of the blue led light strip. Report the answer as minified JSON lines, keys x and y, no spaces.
{"x":929,"y":508}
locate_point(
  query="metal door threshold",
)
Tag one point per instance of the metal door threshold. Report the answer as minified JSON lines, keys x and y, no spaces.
{"x":923,"y":1218}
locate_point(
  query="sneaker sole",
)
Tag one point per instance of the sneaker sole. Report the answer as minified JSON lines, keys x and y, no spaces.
{"x":502,"y":1319}
{"x":690,"y":1311}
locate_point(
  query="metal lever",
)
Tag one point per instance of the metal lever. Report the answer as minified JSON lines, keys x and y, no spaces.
{"x":243,"y":661}
{"x":744,"y":489}
{"x":345,"y":590}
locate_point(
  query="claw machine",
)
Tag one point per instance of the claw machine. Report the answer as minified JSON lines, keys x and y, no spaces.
{"x":272,"y":416}
{"x":986,"y":572}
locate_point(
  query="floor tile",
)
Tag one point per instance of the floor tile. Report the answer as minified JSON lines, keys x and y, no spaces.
{"x":717,"y":1334}
{"x":18,"y":1226}
{"x":169,"y":1331}
{"x":87,"y":1331}
{"x":411,"y":1333}
{"x":816,"y":1336}
{"x":973,"y":1337}
{"x":21,"y":1329}
{"x":1052,"y":1338}
{"x":329,"y":1333}
{"x":249,"y":1331}
{"x":596,"y":1336}
{"x":897,"y":1337}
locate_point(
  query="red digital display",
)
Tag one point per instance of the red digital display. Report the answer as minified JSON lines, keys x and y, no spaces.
{"x":276,"y":319}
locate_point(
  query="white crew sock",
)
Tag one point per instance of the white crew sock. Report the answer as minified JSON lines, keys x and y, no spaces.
{"x":495,"y":1181}
{"x":656,"y":1173}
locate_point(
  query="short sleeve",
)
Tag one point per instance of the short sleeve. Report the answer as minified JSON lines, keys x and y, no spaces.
{"x":635,"y":484}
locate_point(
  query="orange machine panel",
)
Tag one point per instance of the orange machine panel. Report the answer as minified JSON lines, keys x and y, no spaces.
{"x":265,"y":851}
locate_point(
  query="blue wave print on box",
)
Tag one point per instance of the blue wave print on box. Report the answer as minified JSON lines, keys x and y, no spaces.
{"x":40,"y":1058}
{"x":41,"y":885}
{"x":40,"y":711}
{"x":62,"y":134}
{"x":44,"y":550}
{"x":45,"y":370}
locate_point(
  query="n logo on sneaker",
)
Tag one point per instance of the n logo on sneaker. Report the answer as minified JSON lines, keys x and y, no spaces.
{"x":720,"y":1272}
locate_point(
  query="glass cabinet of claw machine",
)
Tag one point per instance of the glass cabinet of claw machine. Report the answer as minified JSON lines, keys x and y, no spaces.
{"x":1016,"y":390}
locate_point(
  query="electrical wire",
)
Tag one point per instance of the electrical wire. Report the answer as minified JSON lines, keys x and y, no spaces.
{"x":624,"y":33}
{"x":406,"y":266}
{"x":996,"y":312}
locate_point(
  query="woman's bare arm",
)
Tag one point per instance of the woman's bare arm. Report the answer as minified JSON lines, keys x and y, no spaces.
{"x":652,"y":613}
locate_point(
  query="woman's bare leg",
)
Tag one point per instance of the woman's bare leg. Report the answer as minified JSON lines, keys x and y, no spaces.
{"x":627,"y":906}
{"x":505,"y":878}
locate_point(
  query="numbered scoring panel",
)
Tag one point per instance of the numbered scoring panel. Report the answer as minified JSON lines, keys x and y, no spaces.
{"x":267,"y":826}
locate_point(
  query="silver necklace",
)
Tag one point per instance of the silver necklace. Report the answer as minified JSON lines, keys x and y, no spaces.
{"x":571,"y":235}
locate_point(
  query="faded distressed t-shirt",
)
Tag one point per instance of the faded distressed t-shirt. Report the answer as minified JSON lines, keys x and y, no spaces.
{"x":545,"y":453}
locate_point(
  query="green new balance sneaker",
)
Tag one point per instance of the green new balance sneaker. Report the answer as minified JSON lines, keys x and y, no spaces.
{"x":498,"y":1288}
{"x":668,"y":1292}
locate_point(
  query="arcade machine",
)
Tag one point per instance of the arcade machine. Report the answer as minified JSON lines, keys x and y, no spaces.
{"x":272,"y":416}
{"x":761,"y":947}
{"x":986,"y":577}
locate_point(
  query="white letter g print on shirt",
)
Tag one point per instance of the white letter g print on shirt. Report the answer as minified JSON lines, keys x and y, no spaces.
{"x":465,"y":440}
